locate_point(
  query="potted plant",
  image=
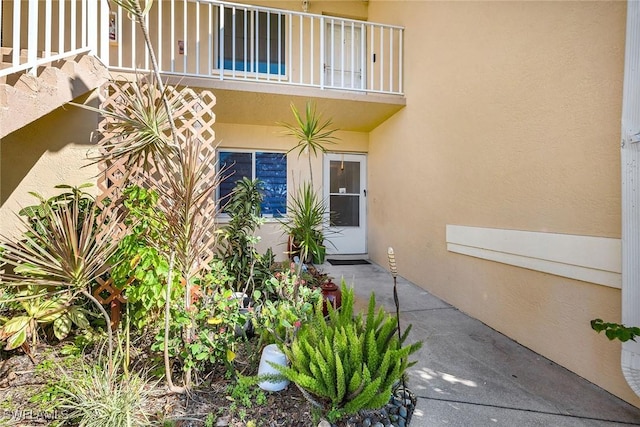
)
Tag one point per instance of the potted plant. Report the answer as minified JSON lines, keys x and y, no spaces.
{"x":306,"y":216}
{"x":347,"y":365}
{"x":307,"y":211}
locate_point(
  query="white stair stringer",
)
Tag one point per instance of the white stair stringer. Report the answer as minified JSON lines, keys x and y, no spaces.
{"x":31,"y":97}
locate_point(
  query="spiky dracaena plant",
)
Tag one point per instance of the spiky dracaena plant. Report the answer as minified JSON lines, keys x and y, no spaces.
{"x":143,"y":133}
{"x":187,"y":204}
{"x":305,"y":220}
{"x":62,"y":253}
{"x":346,"y":363}
{"x":143,"y":129}
{"x":139,"y":126}
{"x":310,"y":132}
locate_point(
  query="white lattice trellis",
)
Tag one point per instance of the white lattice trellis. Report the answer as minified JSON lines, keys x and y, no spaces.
{"x":194,"y":118}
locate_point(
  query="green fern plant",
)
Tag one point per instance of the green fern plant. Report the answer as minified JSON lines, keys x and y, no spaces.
{"x":346,"y":363}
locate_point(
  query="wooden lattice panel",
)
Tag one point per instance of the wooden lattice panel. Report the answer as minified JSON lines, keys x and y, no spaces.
{"x":194,"y":119}
{"x":108,"y":294}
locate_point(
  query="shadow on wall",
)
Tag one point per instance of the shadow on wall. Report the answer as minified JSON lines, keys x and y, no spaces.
{"x":49,"y":151}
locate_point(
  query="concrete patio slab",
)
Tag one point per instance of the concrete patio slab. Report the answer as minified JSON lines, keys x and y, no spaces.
{"x":468,"y":374}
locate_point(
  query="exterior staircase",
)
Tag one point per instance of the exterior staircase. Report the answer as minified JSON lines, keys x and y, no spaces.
{"x":25,"y":97}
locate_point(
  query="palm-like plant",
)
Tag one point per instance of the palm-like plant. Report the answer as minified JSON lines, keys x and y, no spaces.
{"x":62,"y":253}
{"x":306,"y":216}
{"x":139,"y":126}
{"x":311,"y":133}
{"x":143,"y":134}
{"x":188,"y":207}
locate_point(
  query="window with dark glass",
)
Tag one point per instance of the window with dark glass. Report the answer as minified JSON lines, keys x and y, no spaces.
{"x":268,"y":167}
{"x":254,"y":41}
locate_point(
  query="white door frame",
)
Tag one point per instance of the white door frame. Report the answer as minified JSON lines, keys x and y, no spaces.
{"x":343,"y":240}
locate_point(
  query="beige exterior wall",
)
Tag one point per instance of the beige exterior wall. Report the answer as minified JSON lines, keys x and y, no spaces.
{"x":270,"y":138}
{"x":513,"y":122}
{"x":50,"y":151}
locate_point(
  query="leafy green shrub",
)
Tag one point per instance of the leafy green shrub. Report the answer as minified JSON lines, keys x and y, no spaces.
{"x":615,"y":330}
{"x":215,"y":317}
{"x":55,"y":264}
{"x":245,"y":392}
{"x":55,"y":315}
{"x":291,"y":307}
{"x":38,"y":215}
{"x":237,"y":247}
{"x":137,"y":259}
{"x":346,"y":363}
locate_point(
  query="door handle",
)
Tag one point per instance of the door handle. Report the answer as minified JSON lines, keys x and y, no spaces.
{"x":365,"y":193}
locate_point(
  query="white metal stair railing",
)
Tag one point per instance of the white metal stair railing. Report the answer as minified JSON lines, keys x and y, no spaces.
{"x":28,"y":97}
{"x":231,"y":41}
{"x":37,"y":33}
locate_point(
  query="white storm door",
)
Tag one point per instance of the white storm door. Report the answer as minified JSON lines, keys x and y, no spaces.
{"x":345,"y":190}
{"x":343,"y":55}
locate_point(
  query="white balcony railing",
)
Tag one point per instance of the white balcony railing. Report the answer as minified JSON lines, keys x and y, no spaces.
{"x":209,"y":39}
{"x":229,"y":41}
{"x":36,"y":32}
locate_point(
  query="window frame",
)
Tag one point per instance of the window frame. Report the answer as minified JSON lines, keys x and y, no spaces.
{"x":253,"y":152}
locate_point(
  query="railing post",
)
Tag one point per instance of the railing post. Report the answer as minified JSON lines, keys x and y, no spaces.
{"x":401,"y":63}
{"x":92,"y":27}
{"x":73,"y":21}
{"x":322,"y":52}
{"x":221,"y":42}
{"x":104,"y":32}
{"x":15,"y":60}
{"x":32,"y":41}
{"x":47,"y":27}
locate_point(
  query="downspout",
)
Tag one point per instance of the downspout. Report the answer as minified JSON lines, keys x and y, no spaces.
{"x":630,"y":162}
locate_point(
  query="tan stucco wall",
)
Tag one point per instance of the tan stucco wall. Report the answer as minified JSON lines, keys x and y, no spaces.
{"x":47,"y":152}
{"x":271,"y":138}
{"x":512,"y":121}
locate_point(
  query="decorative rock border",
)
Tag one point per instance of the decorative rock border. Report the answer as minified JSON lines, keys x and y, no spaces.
{"x":396,"y":413}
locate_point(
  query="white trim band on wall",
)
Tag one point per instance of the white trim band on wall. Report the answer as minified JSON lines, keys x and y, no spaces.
{"x":590,"y":259}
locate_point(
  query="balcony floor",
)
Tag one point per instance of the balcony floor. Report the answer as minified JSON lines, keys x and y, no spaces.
{"x":265,"y":103}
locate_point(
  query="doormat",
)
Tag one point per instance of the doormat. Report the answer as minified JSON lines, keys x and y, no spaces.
{"x":347,"y":261}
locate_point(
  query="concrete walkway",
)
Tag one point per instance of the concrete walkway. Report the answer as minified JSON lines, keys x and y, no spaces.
{"x":471,"y":375}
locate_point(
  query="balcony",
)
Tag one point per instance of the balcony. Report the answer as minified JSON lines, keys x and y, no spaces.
{"x":255,"y":59}
{"x":258,"y":59}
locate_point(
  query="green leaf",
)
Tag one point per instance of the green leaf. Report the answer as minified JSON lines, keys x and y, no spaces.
{"x":17,"y":339}
{"x":78,"y":317}
{"x":14,"y":325}
{"x":48,"y":311}
{"x":27,"y":269}
{"x":196,"y":348}
{"x":62,"y":327}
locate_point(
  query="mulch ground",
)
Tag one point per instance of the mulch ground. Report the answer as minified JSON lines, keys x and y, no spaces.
{"x":21,"y":379}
